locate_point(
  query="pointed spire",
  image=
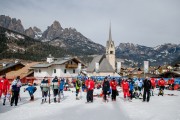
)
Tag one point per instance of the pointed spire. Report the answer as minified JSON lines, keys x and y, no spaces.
{"x":110,"y":36}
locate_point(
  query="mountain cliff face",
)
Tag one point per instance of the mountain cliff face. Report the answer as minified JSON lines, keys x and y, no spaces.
{"x":11,"y":23}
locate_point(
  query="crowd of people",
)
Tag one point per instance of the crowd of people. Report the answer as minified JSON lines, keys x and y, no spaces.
{"x":139,"y":89}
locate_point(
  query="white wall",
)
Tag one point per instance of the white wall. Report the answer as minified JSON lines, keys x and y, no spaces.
{"x":49,"y":72}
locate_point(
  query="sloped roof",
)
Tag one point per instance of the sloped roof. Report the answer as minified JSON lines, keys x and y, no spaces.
{"x":91,"y":66}
{"x":41,"y":65}
{"x":9,"y":65}
{"x":105,"y":66}
{"x":59,"y":61}
{"x":23,"y":72}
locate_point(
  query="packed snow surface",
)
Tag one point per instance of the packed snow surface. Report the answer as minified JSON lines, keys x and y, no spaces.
{"x":159,"y":108}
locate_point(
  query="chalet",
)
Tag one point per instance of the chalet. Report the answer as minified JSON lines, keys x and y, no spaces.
{"x":60,"y":67}
{"x":8,"y":67}
{"x":24,"y":73}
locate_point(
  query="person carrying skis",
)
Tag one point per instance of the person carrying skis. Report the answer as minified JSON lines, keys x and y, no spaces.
{"x":77,"y":86}
{"x":113,"y":85}
{"x":55,"y":87}
{"x":16,"y":85}
{"x":4,"y":88}
{"x":161,"y":84}
{"x":153,"y":85}
{"x":44,"y":88}
{"x":139,"y":82}
{"x":31,"y":89}
{"x":147,"y":87}
{"x":61,"y":88}
{"x":90,"y":88}
{"x":105,"y":88}
{"x":131,"y":88}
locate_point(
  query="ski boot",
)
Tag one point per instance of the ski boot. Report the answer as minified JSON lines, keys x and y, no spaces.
{"x":55,"y":100}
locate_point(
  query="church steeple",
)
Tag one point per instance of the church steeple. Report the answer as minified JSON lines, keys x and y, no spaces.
{"x":110,"y":49}
{"x":110,"y":36}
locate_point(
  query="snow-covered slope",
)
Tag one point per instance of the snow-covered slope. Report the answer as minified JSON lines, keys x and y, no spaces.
{"x":159,"y":108}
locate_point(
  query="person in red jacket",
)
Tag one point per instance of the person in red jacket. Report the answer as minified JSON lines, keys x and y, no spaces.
{"x":90,"y":87}
{"x":153,"y":85}
{"x":113,"y":85}
{"x":125,"y":87}
{"x":4,"y":83}
{"x":161,"y":84}
{"x":172,"y":83}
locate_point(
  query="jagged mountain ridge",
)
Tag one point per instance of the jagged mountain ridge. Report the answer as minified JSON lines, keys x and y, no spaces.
{"x":72,"y":41}
{"x":136,"y":54}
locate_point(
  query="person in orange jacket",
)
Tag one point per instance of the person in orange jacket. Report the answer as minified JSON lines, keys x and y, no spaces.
{"x":153,"y":85}
{"x":4,"y":88}
{"x":113,"y":85}
{"x":125,"y":87}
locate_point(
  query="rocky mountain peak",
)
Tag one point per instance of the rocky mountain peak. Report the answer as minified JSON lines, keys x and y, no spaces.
{"x":56,"y":25}
{"x":36,"y":29}
{"x":29,"y":32}
{"x":11,"y":23}
{"x":53,"y":31}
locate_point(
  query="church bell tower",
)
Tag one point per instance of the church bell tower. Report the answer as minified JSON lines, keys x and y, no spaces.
{"x":110,"y":50}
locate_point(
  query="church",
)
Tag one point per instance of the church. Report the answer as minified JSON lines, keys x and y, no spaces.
{"x":106,"y":64}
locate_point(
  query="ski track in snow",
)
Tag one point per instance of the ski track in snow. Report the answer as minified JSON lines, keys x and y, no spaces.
{"x":159,"y":108}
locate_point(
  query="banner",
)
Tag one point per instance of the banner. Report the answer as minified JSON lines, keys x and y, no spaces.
{"x":96,"y":67}
{"x":146,"y":66}
{"x":118,"y":67}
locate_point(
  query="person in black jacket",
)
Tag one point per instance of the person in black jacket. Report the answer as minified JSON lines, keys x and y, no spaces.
{"x":106,"y":87}
{"x":147,"y":87}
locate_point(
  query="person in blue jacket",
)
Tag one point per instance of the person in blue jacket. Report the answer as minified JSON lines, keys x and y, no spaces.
{"x":31,"y":89}
{"x":61,"y":87}
{"x":131,"y":88}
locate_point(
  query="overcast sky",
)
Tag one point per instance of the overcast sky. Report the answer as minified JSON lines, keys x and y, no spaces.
{"x":144,"y":22}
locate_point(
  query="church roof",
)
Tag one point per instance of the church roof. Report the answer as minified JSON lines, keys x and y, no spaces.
{"x":95,"y":60}
{"x":104,"y":65}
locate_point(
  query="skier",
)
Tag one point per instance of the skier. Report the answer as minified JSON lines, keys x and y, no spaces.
{"x":55,"y":87}
{"x":125,"y":87}
{"x":77,"y":86}
{"x":31,"y":89}
{"x":161,"y":84}
{"x":4,"y":88}
{"x":90,"y":87}
{"x":139,"y":82}
{"x":113,"y":85}
{"x":105,"y":88}
{"x":153,"y":85}
{"x":61,"y":89}
{"x":44,"y":88}
{"x":131,"y":88}
{"x":16,"y":85}
{"x":147,"y":87}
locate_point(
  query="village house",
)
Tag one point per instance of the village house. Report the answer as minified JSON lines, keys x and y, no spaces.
{"x":66,"y":67}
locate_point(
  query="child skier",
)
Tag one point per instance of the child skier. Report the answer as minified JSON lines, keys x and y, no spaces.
{"x":31,"y":89}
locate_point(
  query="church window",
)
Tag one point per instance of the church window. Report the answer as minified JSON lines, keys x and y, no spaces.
{"x":111,"y":52}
